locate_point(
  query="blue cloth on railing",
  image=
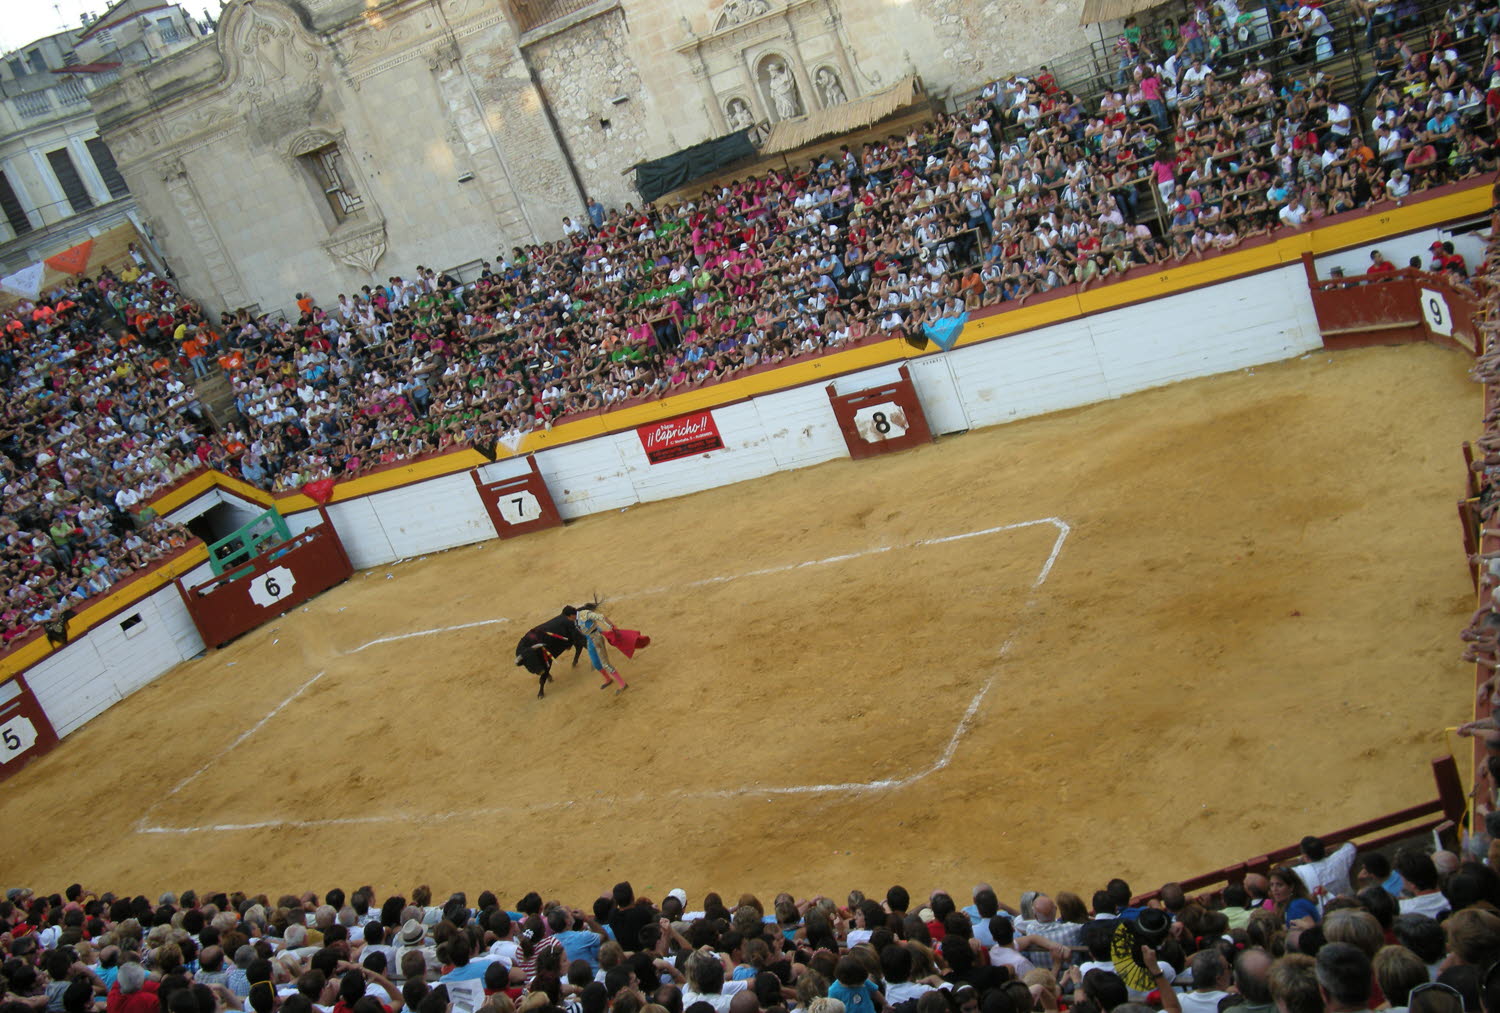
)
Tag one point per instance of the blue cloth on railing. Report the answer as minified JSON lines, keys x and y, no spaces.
{"x":945,"y":331}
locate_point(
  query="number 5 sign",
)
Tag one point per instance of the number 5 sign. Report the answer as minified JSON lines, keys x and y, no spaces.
{"x":16,"y":736}
{"x":25,"y":731}
{"x":272,"y":586}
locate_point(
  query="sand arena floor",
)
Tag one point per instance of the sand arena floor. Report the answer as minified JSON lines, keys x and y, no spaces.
{"x":1230,"y":622}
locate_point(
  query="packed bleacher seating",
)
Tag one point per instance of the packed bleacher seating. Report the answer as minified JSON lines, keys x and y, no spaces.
{"x":1215,"y":125}
{"x":1336,"y":932}
{"x":93,"y":425}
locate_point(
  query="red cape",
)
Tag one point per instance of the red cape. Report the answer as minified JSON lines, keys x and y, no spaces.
{"x":627,"y":642}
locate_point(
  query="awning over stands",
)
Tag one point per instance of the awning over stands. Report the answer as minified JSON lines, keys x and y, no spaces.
{"x":788,"y":135}
{"x":88,"y":68}
{"x":663,"y":175}
{"x":1095,"y":11}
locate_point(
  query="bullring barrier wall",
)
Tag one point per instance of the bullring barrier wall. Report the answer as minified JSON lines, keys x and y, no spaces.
{"x":1241,"y":309}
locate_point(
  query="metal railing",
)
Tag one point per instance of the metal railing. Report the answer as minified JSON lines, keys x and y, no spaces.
{"x":535,"y":13}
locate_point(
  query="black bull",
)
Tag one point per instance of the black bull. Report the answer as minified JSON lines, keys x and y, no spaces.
{"x":536,"y":650}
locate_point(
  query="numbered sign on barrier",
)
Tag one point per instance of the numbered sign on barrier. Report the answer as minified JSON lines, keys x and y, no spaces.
{"x":272,"y":586}
{"x":25,"y":732}
{"x":879,"y":420}
{"x":520,"y":504}
{"x":1435,"y":312}
{"x":520,"y":507}
{"x":274,"y":581}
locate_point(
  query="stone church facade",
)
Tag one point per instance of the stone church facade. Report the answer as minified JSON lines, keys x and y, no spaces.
{"x":323,"y":144}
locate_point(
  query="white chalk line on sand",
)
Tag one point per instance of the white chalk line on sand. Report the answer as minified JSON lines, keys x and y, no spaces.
{"x":944,"y":758}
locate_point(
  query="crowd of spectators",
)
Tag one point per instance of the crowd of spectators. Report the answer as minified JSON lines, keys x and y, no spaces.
{"x":1206,"y":138}
{"x":92,"y":425}
{"x":1213,"y":129}
{"x":1337,"y":932}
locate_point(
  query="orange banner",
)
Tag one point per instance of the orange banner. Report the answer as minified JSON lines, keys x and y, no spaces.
{"x":72,"y":261}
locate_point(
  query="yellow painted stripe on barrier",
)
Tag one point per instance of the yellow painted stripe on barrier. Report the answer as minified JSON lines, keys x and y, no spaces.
{"x":29,"y":654}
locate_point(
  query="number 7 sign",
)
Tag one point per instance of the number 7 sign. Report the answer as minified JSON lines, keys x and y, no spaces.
{"x":520,"y":504}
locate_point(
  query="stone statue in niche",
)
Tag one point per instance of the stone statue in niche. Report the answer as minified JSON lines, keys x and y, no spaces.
{"x":783,"y":89}
{"x":739,"y":115}
{"x":830,"y":87}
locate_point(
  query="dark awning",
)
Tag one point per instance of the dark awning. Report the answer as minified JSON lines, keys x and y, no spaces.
{"x":663,"y":175}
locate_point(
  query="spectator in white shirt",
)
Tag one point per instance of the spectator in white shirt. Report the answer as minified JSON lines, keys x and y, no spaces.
{"x":1419,"y":877}
{"x":1326,"y":875}
{"x":1210,"y":983}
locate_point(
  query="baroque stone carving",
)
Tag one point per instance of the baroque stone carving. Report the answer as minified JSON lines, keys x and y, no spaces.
{"x":269,"y":56}
{"x":359,"y":248}
{"x":737,"y":12}
{"x":309,"y":141}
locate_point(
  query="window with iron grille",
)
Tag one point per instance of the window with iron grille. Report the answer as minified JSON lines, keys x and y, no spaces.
{"x":11,"y":205}
{"x":169,"y":33}
{"x":325,"y":165}
{"x":71,"y":182}
{"x":104,"y":161}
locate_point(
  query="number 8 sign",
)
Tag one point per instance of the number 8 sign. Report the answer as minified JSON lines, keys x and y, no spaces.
{"x":270,"y":587}
{"x":880,"y":422}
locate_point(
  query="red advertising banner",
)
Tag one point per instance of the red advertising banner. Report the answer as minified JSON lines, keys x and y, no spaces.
{"x":683,"y":436}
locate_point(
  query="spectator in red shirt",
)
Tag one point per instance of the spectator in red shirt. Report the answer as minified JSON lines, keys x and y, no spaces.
{"x":1378,"y":264}
{"x":132,"y":992}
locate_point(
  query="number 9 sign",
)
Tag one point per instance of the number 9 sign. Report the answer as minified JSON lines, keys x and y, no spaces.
{"x":879,"y":422}
{"x":1435,"y":312}
{"x":270,"y":587}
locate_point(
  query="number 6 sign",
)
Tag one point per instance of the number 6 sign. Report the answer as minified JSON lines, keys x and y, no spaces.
{"x":272,"y":586}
